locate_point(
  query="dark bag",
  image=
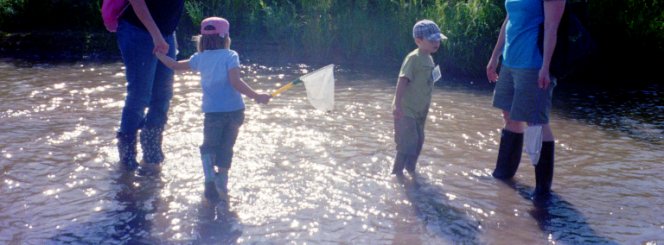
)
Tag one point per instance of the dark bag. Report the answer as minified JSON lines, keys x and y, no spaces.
{"x":574,"y":45}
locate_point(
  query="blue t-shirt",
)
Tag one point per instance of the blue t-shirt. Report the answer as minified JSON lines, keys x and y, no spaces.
{"x":521,"y":50}
{"x":218,"y":93}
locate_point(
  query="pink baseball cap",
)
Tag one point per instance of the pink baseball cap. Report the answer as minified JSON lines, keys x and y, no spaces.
{"x":219,"y":26}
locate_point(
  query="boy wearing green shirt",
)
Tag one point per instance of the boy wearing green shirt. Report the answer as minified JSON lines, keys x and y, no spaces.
{"x":413,"y":95}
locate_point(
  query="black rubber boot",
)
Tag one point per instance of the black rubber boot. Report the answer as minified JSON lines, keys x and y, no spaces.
{"x":411,"y":164}
{"x":210,"y":192}
{"x":509,"y":154}
{"x":151,"y":145}
{"x":544,"y":170}
{"x":221,"y":181}
{"x":127,"y":150}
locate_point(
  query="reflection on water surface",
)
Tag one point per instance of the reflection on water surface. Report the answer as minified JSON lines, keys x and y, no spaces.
{"x":305,"y":176}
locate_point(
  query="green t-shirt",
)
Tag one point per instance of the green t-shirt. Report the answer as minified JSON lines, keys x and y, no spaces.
{"x":417,"y":67}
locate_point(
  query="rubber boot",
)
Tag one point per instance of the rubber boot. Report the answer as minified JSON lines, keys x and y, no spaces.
{"x":509,"y":154}
{"x":127,"y":150}
{"x":208,"y":170}
{"x":544,"y":170}
{"x":151,"y":144}
{"x":411,"y":163}
{"x":399,"y":163}
{"x":221,"y":181}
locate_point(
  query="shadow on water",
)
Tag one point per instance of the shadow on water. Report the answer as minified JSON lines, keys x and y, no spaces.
{"x":438,"y":216}
{"x":133,"y":213}
{"x":559,"y":218}
{"x":131,"y":223}
{"x":217,"y":224}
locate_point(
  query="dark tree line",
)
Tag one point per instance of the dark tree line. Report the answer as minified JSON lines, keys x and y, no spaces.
{"x":628,"y":32}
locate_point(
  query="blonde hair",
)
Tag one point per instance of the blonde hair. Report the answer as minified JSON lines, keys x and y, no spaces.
{"x":212,"y":42}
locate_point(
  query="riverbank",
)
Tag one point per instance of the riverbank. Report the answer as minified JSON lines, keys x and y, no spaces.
{"x":29,"y":48}
{"x":39,"y":47}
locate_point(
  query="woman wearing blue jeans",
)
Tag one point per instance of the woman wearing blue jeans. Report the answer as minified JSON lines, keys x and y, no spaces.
{"x":146,"y":27}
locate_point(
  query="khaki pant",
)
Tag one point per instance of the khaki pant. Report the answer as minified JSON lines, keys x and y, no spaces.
{"x":409,"y":135}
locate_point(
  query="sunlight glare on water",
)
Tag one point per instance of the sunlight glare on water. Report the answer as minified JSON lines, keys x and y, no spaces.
{"x":304,"y":176}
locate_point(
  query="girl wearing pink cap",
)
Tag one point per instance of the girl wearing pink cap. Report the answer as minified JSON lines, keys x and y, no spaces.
{"x":223,"y":106}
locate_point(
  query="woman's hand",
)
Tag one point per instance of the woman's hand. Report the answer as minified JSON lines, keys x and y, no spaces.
{"x":160,"y":45}
{"x":544,"y":78}
{"x":143,"y":14}
{"x":491,"y":73}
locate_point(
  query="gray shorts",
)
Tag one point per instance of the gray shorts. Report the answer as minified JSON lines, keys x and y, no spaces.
{"x":409,"y":135}
{"x":518,"y":93}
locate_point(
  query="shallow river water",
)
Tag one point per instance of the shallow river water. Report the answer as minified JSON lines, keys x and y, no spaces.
{"x":301,"y":176}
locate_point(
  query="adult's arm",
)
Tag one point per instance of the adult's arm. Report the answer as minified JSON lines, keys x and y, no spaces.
{"x":143,"y":14}
{"x":553,"y":12}
{"x":491,"y":68}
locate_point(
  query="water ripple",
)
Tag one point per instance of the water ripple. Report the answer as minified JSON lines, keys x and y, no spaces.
{"x":305,"y":176}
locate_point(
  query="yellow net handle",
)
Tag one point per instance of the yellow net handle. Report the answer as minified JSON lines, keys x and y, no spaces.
{"x":286,"y":87}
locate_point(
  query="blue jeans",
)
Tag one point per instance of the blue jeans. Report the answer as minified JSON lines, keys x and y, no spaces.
{"x":220,"y":130}
{"x":149,"y":82}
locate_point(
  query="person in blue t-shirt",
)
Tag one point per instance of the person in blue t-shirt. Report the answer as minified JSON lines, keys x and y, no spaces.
{"x":223,"y":106}
{"x":525,"y":86}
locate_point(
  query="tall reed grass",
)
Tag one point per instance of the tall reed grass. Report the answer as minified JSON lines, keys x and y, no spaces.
{"x":370,"y":31}
{"x":374,"y":32}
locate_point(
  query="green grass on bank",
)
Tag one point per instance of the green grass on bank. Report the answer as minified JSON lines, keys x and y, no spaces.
{"x":373,"y":32}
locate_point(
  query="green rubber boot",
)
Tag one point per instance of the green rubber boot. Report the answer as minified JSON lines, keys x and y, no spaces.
{"x":210,"y":191}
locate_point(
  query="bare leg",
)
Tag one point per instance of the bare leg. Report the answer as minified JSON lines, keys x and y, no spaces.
{"x":547,"y":133}
{"x":511,"y":125}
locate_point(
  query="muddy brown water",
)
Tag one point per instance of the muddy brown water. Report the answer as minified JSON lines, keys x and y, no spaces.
{"x":302,"y":176}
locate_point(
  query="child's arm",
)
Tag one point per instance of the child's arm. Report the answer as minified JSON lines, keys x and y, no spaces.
{"x":173,"y":64}
{"x":244,"y":88}
{"x":401,"y":87}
